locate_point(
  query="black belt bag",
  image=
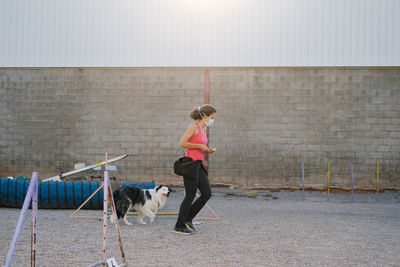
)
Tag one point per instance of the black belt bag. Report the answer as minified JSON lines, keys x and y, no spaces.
{"x":187,"y":167}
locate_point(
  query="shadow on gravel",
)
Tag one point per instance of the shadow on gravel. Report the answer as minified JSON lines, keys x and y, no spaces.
{"x":252,"y":195}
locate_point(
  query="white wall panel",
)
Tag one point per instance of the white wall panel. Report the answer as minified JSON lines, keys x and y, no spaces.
{"x":133,"y":33}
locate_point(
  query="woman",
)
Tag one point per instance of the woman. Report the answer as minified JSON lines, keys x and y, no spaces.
{"x":195,"y":141}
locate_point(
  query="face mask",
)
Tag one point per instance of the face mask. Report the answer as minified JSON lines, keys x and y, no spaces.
{"x":208,"y":123}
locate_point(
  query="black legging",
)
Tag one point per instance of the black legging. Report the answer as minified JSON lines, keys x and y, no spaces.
{"x":188,"y":210}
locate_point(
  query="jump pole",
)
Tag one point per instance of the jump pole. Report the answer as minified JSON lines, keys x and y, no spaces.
{"x":63,"y":175}
{"x":352,"y":183}
{"x":302,"y":173}
{"x":377,"y":180}
{"x":31,"y":195}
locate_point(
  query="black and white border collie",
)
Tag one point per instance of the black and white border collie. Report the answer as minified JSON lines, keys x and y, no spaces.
{"x":145,"y":201}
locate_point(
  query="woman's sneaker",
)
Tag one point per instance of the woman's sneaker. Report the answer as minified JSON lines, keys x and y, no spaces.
{"x":190,"y":226}
{"x":182,"y":231}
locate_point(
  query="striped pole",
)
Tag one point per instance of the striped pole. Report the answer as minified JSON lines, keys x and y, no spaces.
{"x":31,"y":191}
{"x":105,"y":209}
{"x":352,"y":183}
{"x":377,"y":180}
{"x":329,"y":177}
{"x":302,"y":172}
{"x":34,"y":221}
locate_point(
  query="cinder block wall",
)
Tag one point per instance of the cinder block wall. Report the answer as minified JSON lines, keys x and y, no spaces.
{"x":269,"y":120}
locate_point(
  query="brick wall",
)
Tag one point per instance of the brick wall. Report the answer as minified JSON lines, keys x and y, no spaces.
{"x":269,"y":120}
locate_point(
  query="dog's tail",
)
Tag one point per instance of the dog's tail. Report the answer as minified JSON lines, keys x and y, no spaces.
{"x":125,"y":196}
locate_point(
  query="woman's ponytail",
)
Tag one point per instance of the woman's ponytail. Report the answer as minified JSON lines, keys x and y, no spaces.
{"x":206,"y":109}
{"x":195,"y":114}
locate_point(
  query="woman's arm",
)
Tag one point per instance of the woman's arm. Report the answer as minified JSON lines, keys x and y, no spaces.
{"x":190,"y":131}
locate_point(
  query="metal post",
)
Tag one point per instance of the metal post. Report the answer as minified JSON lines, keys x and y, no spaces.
{"x":352,"y":183}
{"x":207,"y":101}
{"x":302,"y":172}
{"x":377,"y":180}
{"x":329,"y":177}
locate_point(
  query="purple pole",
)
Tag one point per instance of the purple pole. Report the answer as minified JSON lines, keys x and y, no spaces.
{"x":34,"y":220}
{"x":25,"y":206}
{"x":302,"y":172}
{"x":105,"y":209}
{"x":352,"y":183}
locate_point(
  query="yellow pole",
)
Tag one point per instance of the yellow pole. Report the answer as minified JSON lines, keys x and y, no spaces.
{"x":329,"y":177}
{"x":377,"y":180}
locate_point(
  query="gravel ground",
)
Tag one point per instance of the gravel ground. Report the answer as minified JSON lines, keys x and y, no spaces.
{"x":264,"y":229}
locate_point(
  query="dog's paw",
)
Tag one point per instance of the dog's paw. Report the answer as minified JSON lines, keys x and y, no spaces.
{"x":142,"y":222}
{"x":126,"y":222}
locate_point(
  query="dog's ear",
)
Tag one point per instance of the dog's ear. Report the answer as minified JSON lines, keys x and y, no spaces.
{"x":158,"y":187}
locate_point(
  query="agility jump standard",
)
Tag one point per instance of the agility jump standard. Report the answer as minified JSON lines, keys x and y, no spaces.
{"x":31,"y":195}
{"x":352,"y":179}
{"x":107,"y":195}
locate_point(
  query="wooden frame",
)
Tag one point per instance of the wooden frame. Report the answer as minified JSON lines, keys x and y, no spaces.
{"x":216,"y":218}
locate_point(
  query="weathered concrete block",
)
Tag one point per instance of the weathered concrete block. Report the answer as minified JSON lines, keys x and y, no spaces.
{"x":268,"y":121}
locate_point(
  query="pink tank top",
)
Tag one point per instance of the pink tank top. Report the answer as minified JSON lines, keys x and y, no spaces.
{"x":199,"y":138}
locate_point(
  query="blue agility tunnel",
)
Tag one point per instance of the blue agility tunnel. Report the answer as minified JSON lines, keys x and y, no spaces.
{"x":58,"y":195}
{"x":142,"y":185}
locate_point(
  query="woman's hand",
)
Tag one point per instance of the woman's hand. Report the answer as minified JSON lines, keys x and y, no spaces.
{"x":205,"y":148}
